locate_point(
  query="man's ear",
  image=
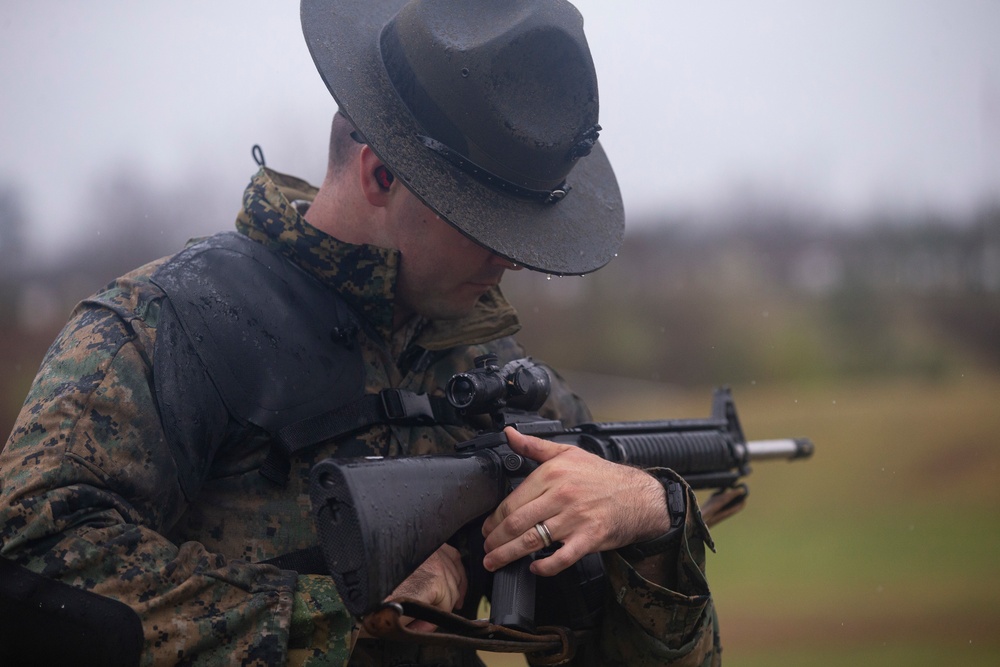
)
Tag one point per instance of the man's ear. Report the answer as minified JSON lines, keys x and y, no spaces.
{"x":376,"y":179}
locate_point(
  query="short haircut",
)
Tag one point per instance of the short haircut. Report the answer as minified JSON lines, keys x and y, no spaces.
{"x":342,"y":145}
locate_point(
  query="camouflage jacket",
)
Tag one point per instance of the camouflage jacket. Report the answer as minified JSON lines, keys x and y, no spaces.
{"x":92,"y":492}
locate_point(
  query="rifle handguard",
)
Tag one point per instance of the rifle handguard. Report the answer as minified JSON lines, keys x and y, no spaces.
{"x":550,"y":645}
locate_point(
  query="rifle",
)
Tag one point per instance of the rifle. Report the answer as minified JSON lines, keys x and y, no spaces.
{"x":378,"y":519}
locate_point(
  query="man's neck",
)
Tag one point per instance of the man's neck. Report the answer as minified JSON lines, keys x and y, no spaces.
{"x":401,"y":316}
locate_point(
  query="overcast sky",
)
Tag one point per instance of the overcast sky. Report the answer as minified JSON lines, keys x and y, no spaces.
{"x":852,"y":106}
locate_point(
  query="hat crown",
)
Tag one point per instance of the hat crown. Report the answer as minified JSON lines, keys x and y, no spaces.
{"x":507,"y":84}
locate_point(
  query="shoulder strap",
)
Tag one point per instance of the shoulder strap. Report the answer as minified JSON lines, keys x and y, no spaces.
{"x":389,"y":406}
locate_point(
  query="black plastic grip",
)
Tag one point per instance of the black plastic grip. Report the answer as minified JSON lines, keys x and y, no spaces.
{"x":513,"y":599}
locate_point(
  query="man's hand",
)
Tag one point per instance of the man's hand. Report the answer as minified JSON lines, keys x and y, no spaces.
{"x":439,"y":582}
{"x":587,"y":503}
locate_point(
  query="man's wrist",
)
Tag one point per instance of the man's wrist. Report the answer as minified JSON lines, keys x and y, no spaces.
{"x":676,"y":502}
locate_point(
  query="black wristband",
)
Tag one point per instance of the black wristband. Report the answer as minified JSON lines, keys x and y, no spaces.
{"x":677,"y":508}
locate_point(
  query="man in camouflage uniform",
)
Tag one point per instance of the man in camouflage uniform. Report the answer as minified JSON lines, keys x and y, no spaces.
{"x":131,"y":474}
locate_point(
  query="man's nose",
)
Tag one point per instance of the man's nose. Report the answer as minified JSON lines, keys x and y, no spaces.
{"x":504,"y":262}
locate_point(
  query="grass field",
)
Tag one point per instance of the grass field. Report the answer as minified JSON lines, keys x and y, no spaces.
{"x":883,"y":549}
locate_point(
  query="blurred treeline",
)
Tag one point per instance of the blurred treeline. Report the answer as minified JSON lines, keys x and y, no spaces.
{"x":776,"y":299}
{"x":767,"y":297}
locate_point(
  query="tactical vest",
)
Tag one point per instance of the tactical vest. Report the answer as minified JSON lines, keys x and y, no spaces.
{"x":277,"y":345}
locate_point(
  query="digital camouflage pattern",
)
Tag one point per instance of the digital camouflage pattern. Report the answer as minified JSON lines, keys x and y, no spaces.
{"x":92,"y":491}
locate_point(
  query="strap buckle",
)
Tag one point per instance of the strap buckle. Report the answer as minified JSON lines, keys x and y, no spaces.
{"x":406,"y":407}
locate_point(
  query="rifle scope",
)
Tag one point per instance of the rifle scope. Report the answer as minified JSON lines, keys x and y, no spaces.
{"x":521,"y":384}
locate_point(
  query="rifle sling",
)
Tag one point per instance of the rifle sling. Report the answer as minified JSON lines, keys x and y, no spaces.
{"x":723,"y":504}
{"x":550,"y":645}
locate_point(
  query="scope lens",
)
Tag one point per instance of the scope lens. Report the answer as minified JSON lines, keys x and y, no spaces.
{"x":461,"y":391}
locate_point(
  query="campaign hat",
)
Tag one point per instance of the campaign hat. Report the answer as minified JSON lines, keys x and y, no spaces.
{"x":487,"y":110}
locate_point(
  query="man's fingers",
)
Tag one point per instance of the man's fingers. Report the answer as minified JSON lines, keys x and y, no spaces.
{"x":457,"y":573}
{"x":501,"y":551}
{"x":569,"y":553}
{"x":573,"y":549}
{"x":516,"y":523}
{"x":440,"y":581}
{"x":454,"y":574}
{"x":536,"y":449}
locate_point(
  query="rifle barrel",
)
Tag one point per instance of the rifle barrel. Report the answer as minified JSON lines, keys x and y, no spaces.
{"x":787,"y":448}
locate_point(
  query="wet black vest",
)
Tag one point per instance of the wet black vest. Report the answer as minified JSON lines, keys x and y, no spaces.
{"x":277,"y":345}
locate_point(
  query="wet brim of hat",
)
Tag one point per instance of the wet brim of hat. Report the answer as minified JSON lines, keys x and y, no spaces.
{"x":576,"y":235}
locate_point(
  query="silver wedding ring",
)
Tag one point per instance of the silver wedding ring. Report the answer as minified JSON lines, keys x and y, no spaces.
{"x":543,"y":532}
